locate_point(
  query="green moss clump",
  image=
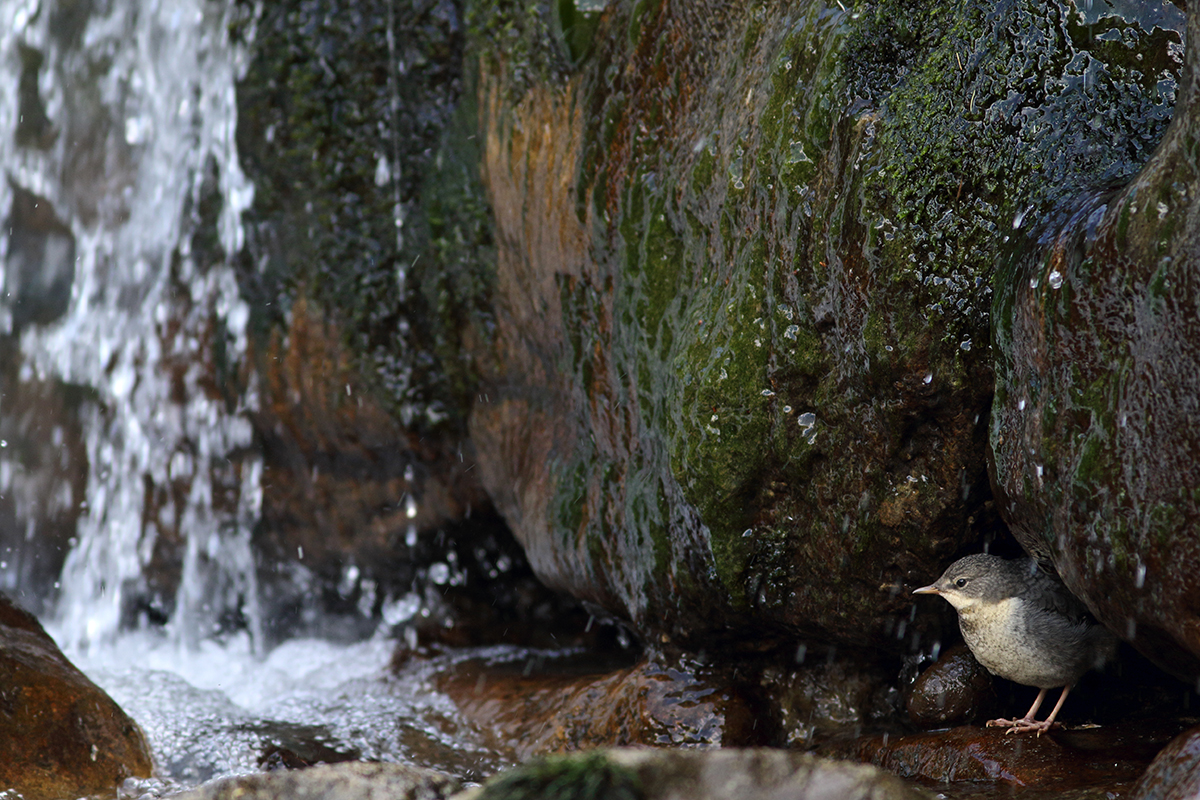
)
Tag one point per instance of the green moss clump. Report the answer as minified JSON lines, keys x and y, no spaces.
{"x":590,"y":776}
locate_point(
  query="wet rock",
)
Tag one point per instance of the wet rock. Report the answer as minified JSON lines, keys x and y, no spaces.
{"x":739,"y":377}
{"x":372,"y":505}
{"x":43,"y":475}
{"x":353,"y":781}
{"x":530,"y":708}
{"x":1175,"y":772}
{"x":1097,"y":380}
{"x":39,"y":266}
{"x":693,"y":775}
{"x":954,"y":690}
{"x":821,"y":697}
{"x":63,"y":736}
{"x":1111,"y":757}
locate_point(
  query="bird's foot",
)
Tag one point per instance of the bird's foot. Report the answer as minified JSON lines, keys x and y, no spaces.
{"x":1024,"y":725}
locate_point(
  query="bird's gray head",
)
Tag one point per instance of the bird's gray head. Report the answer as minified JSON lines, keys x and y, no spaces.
{"x":980,"y":579}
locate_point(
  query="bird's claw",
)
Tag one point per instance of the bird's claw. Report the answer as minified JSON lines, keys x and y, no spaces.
{"x":1022,"y":725}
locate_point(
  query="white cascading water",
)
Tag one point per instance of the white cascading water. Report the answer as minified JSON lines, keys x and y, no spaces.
{"x":162,"y":75}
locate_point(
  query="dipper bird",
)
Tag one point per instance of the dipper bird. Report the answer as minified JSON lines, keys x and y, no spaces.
{"x":1022,"y":624}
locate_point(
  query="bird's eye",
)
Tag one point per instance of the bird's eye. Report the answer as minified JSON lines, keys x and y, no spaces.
{"x":961,"y":582}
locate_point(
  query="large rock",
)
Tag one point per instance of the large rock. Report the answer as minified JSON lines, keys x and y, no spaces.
{"x":694,"y":775}
{"x":1097,"y":328}
{"x":62,"y":736}
{"x":740,"y":373}
{"x":355,"y":781}
{"x":530,"y":712}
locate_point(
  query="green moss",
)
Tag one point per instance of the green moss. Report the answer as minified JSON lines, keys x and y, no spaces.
{"x":590,"y":776}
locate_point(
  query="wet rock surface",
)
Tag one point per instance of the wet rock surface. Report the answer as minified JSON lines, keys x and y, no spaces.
{"x":1098,"y":376}
{"x":954,"y":690}
{"x":62,"y":736}
{"x":740,"y":371}
{"x":1108,"y":758}
{"x":1175,"y":771}
{"x":530,"y":708}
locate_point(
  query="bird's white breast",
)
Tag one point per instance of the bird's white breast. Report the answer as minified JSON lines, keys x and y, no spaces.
{"x":1000,"y":640}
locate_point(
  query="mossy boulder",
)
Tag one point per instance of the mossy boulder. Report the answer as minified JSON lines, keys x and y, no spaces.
{"x":1097,"y":331}
{"x":739,"y":380}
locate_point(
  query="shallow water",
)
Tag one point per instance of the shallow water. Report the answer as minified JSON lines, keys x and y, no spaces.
{"x":218,"y":710}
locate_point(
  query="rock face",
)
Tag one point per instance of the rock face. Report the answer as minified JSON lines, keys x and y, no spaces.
{"x":63,"y":736}
{"x":740,"y":373}
{"x":1097,"y":389}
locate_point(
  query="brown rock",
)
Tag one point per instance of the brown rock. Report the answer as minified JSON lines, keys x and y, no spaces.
{"x":1112,"y":756}
{"x":826,"y":697}
{"x":1175,"y":772}
{"x":953,"y":690}
{"x":534,"y":713}
{"x":60,"y":735}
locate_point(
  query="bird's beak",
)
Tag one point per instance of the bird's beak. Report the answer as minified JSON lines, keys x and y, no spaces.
{"x":931,"y":589}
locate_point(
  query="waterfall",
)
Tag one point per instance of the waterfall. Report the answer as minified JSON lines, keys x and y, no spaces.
{"x":123,"y":196}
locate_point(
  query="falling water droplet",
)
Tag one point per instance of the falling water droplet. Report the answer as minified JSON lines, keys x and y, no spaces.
{"x":1130,"y":628}
{"x":439,"y":572}
{"x":1055,"y":279}
{"x":410,"y":536}
{"x":1020,"y":218}
{"x":928,"y":378}
{"x":802,"y":651}
{"x":410,"y":507}
{"x":1139,"y":576}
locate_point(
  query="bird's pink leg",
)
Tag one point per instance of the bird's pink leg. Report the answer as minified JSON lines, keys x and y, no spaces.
{"x":1029,"y":722}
